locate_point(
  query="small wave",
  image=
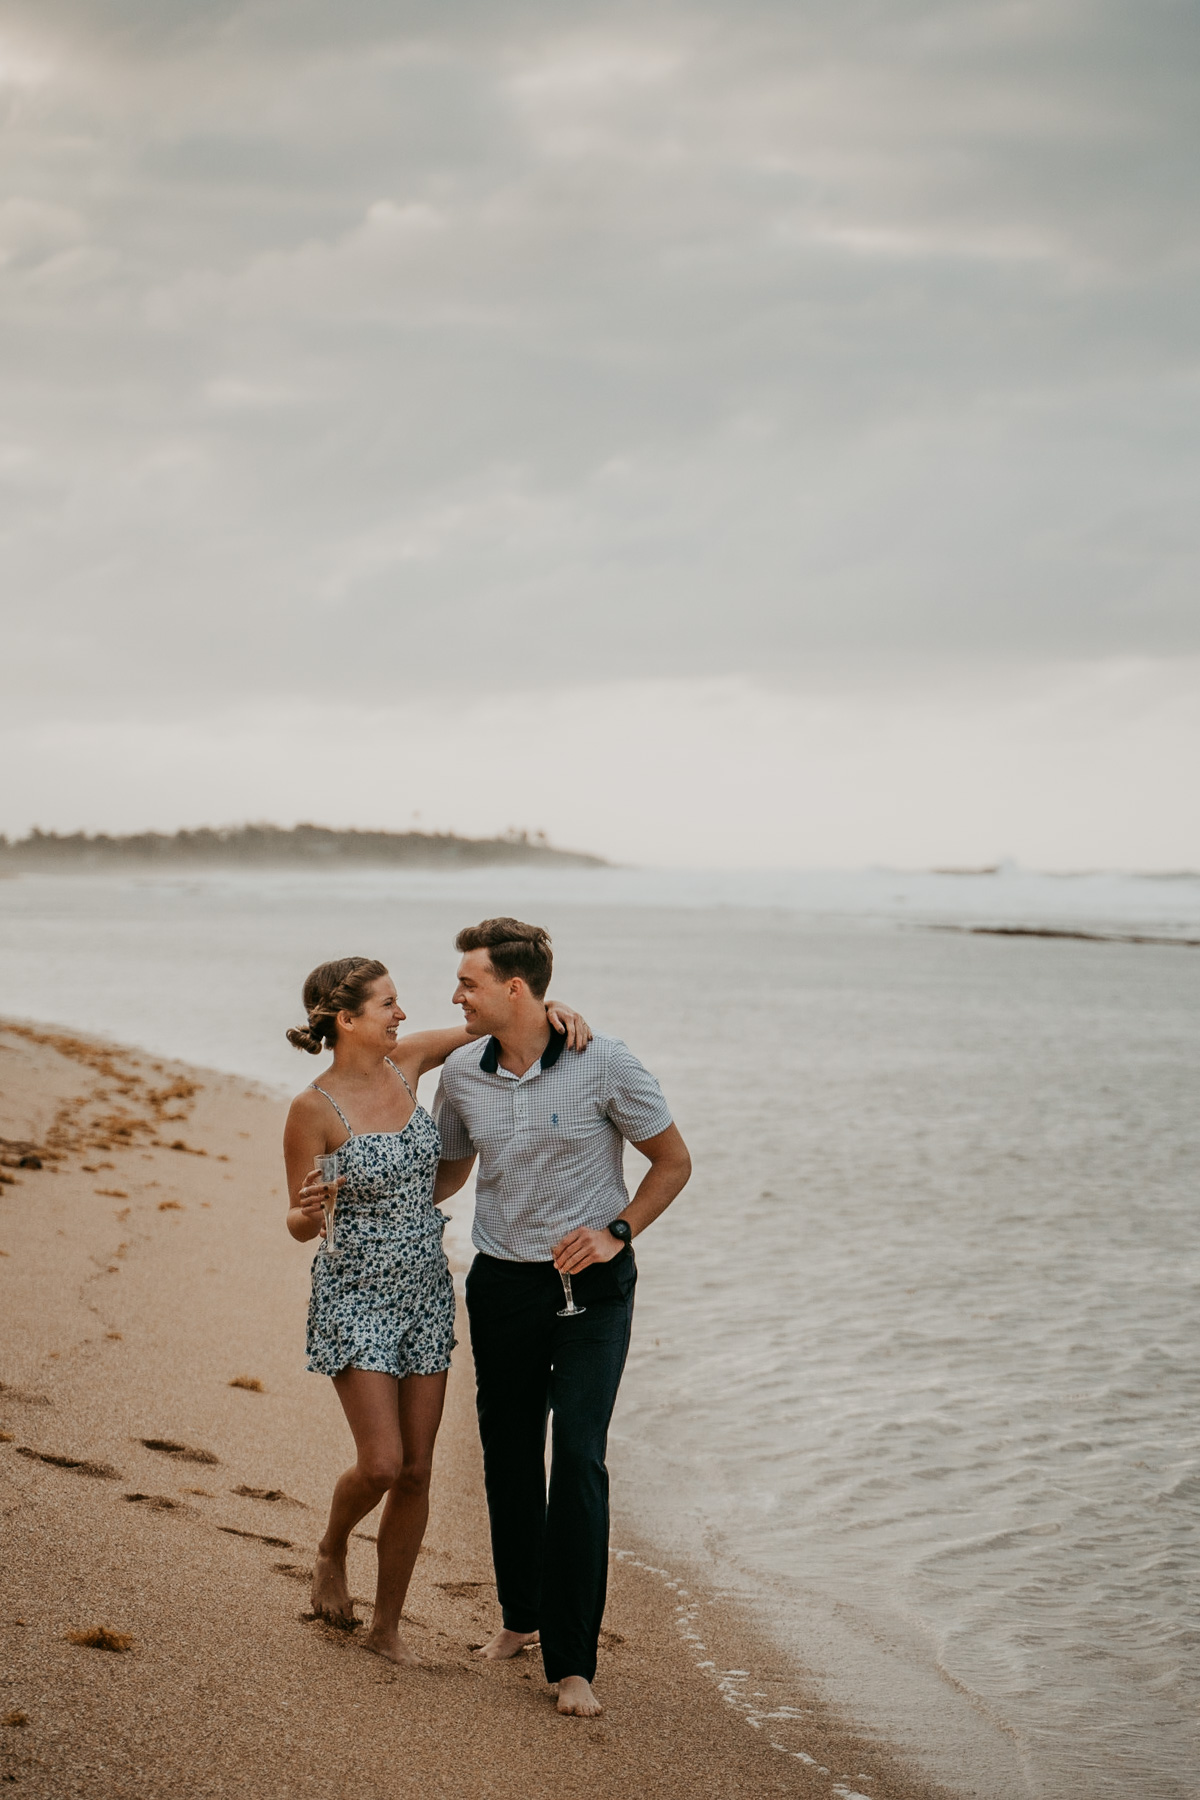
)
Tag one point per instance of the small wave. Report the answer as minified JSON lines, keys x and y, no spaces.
{"x":1186,"y":1488}
{"x":992,"y":1540}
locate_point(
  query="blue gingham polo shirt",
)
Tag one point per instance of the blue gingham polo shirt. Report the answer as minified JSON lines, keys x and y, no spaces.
{"x":550,"y":1142}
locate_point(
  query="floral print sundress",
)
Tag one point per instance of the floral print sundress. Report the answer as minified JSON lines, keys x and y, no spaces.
{"x":384,"y":1300}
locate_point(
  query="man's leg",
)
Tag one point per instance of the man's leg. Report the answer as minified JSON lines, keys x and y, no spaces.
{"x":510,"y":1340}
{"x":589,"y":1357}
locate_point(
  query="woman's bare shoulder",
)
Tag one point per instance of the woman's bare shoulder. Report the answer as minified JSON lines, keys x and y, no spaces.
{"x":308,"y":1104}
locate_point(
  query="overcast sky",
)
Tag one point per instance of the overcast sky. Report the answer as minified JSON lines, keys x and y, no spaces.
{"x":715,"y":432}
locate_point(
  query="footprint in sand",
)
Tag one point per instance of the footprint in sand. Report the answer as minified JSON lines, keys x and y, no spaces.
{"x":345,"y":1627}
{"x":100,"y":1637}
{"x":76,"y":1464}
{"x":273,"y":1494}
{"x":160,"y":1502}
{"x":275,"y":1543}
{"x":22,"y":1397}
{"x":182,"y":1452}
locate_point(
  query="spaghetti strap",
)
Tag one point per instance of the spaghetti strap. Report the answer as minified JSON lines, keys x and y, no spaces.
{"x":404,"y":1078}
{"x":337,"y":1109}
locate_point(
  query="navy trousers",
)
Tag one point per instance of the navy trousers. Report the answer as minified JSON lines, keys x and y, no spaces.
{"x":550,"y":1550}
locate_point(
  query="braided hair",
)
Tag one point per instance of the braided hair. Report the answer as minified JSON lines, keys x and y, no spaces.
{"x":335,"y":987}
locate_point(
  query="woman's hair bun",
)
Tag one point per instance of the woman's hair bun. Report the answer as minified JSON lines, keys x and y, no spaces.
{"x":332,"y":988}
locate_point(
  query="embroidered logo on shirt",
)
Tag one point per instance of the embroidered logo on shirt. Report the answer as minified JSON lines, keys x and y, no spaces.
{"x":554,"y":1118}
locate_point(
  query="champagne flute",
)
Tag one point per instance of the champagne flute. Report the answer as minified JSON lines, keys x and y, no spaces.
{"x":570,"y":1310}
{"x":330,"y":1167}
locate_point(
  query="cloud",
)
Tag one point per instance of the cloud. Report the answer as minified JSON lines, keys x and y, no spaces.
{"x":30,"y":230}
{"x":557,"y":340}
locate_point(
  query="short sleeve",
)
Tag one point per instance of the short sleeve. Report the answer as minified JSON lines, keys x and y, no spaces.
{"x":456,"y":1139}
{"x":633,"y":1100}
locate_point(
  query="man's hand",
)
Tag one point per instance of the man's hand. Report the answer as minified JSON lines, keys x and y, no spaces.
{"x":580,"y":1249}
{"x":670,"y":1167}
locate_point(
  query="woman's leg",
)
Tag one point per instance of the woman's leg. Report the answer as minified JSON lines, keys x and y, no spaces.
{"x":406,"y":1510}
{"x":369,"y":1402}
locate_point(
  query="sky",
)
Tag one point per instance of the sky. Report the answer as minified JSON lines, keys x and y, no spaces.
{"x":717,"y":434}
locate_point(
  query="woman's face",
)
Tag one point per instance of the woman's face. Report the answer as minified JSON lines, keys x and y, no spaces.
{"x":376,"y":1025}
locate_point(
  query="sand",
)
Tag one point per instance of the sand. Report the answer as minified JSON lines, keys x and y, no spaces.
{"x":164,"y":1469}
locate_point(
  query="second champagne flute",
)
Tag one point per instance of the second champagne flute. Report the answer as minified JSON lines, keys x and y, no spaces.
{"x":570,"y":1310}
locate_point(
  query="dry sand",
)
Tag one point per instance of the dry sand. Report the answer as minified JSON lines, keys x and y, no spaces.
{"x":163,"y":1472}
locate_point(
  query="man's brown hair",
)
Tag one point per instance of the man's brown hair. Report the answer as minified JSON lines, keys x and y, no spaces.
{"x":514,"y":948}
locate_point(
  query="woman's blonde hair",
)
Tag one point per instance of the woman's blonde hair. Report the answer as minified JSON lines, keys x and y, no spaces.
{"x":335,"y":987}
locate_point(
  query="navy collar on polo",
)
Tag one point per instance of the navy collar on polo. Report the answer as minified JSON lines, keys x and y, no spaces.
{"x":489,"y":1062}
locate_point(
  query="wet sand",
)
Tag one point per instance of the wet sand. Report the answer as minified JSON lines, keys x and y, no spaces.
{"x":164,"y":1465}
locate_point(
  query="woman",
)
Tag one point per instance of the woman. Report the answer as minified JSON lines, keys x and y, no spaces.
{"x":381,"y":1319}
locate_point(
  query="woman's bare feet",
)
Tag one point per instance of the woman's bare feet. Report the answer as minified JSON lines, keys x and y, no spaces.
{"x":506,"y":1644}
{"x":391,"y":1645}
{"x":575,"y":1696}
{"x":330,"y":1595}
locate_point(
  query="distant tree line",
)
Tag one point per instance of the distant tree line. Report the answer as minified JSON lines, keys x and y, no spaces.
{"x":261,"y":845}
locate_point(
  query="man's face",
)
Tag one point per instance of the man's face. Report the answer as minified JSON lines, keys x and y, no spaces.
{"x":485,"y":998}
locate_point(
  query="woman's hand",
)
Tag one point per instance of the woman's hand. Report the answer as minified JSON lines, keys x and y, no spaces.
{"x":579,"y":1032}
{"x":316,"y":1193}
{"x":308,"y":1208}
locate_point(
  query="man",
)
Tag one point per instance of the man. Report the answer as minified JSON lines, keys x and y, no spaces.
{"x":551,"y":1201}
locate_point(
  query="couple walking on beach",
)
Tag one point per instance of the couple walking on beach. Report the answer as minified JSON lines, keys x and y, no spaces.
{"x":547,"y":1108}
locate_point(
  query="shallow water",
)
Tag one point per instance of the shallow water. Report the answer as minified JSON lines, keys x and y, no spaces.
{"x":915,"y":1368}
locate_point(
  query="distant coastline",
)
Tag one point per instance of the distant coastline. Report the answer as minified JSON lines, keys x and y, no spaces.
{"x":262,"y":846}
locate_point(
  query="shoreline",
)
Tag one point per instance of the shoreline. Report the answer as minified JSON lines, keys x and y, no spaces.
{"x":150,"y":1487}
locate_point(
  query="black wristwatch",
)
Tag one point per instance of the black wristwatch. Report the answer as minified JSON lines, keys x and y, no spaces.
{"x":620,"y":1228}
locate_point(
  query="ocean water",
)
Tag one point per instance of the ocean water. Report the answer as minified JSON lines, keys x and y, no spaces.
{"x":915,"y":1370}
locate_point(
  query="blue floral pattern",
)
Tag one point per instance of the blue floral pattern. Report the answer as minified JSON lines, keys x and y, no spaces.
{"x":385,"y":1299}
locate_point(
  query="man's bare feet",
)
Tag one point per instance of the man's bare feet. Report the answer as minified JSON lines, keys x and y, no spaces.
{"x":575,"y":1696}
{"x":506,"y":1644}
{"x":391,"y":1645}
{"x":330,"y":1596}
